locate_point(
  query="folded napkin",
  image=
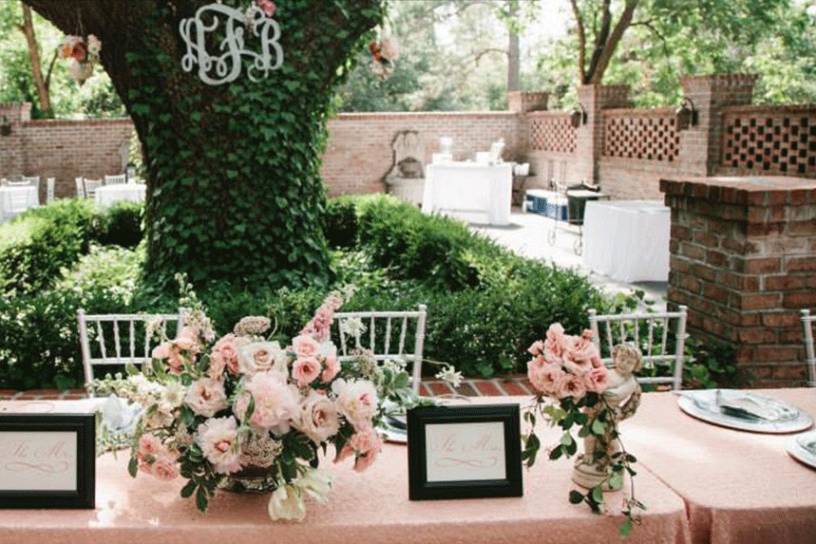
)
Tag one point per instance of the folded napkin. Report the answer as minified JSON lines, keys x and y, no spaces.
{"x":749,"y":406}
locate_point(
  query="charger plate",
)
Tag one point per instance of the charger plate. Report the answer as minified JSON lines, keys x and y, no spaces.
{"x":702,"y":404}
{"x":802,"y":447}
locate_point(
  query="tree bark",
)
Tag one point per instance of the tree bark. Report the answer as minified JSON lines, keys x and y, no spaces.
{"x":606,"y":39}
{"x":513,"y":50}
{"x":234,"y":189}
{"x":27,"y":28}
{"x":621,"y":26}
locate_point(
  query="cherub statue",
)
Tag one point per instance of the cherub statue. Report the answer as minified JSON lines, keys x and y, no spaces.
{"x":622,"y":398}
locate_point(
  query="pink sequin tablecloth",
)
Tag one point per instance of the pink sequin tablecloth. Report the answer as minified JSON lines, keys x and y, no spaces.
{"x":371,"y":507}
{"x":739,"y":487}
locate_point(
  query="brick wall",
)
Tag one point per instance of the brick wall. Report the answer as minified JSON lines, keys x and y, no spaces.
{"x":743,"y":259}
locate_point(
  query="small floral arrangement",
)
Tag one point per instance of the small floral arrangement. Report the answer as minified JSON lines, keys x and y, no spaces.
{"x":384,"y":55}
{"x":244,"y":412}
{"x":258,"y":10}
{"x":81,"y":54}
{"x":575,"y":389}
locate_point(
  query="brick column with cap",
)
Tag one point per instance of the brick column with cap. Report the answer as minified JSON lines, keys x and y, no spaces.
{"x":589,"y":136}
{"x":743,"y":259}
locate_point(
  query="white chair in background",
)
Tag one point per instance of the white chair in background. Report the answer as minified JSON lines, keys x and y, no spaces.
{"x":91,"y":185}
{"x":392,"y":339}
{"x":80,"y":188}
{"x":115,"y":180}
{"x":132,"y":352}
{"x":626,"y":327}
{"x":49,"y":190}
{"x":810,"y":351}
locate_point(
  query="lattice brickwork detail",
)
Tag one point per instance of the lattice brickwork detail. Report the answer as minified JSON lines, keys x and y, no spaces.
{"x":651,"y":137}
{"x":776,"y":142}
{"x":552,"y":133}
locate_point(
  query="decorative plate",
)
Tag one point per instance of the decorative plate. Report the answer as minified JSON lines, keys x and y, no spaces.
{"x":744,"y":411}
{"x":802,"y":447}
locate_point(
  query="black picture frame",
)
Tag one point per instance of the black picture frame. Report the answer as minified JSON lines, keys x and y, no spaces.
{"x":419,"y":488}
{"x":84,"y":425}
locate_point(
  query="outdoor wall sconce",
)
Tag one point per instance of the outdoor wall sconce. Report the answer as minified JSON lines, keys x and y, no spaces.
{"x":5,"y":126}
{"x":686,"y":115}
{"x":578,"y":116}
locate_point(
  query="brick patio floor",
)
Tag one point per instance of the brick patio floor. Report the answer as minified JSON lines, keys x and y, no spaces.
{"x":508,"y":385}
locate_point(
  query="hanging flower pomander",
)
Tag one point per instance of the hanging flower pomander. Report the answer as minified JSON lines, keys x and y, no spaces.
{"x":384,"y":54}
{"x":81,"y":54}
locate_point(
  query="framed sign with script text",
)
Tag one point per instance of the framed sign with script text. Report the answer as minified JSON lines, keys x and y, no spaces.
{"x":464,"y":452}
{"x":47,"y":460}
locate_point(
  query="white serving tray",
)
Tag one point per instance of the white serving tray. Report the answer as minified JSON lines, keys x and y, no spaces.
{"x":702,"y":404}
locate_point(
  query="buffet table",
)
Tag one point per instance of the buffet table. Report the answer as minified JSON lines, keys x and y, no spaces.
{"x":121,"y":192}
{"x":627,"y":240}
{"x":477,"y":193}
{"x":739,"y":487}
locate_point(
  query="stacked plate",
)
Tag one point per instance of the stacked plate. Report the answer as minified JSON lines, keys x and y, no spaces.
{"x":744,"y":411}
{"x":803,"y":448}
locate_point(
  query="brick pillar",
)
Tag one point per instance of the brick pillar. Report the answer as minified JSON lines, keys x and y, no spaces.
{"x":743,"y":259}
{"x":700,"y":146}
{"x":11,"y":148}
{"x":589,"y":137}
{"x":524,"y":101}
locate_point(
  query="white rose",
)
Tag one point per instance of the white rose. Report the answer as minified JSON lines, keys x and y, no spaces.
{"x":318,"y":418}
{"x":357,"y":401}
{"x":261,"y":357}
{"x":173,"y":395}
{"x":286,"y":503}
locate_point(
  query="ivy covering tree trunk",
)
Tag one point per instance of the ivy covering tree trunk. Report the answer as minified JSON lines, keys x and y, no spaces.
{"x":234,"y":188}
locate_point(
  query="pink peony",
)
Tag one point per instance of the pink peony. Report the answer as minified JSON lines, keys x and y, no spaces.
{"x":218,"y":440}
{"x":570,"y":385}
{"x":544,"y":375}
{"x":305,"y":346}
{"x":276,"y":402}
{"x":224,"y":355}
{"x":357,"y":401}
{"x":597,"y":379}
{"x":305,"y":370}
{"x":365,"y":445}
{"x":318,"y":419}
{"x":206,"y":397}
{"x":332,"y":368}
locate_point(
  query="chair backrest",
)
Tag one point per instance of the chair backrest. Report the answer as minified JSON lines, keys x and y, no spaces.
{"x":386,"y":335}
{"x":650,"y":332}
{"x":115,"y":180}
{"x":130,"y":343}
{"x":49,"y":190}
{"x":810,"y":351}
{"x":91,"y":185}
{"x":80,"y":188}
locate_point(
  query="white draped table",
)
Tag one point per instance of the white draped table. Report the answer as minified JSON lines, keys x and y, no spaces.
{"x":121,"y":192}
{"x":627,"y":240}
{"x":477,"y":193}
{"x":15,"y":199}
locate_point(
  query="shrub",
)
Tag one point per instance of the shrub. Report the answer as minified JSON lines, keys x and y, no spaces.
{"x":121,"y":225}
{"x":340,"y":223}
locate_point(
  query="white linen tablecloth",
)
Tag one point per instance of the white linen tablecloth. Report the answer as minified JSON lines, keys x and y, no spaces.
{"x":476,"y":193}
{"x":15,"y":200}
{"x":627,"y":240}
{"x":110,"y":194}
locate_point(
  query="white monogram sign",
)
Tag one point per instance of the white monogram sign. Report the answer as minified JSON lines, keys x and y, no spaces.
{"x":225,"y":65}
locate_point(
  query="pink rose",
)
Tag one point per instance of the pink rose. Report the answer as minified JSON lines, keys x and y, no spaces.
{"x":226,"y":354}
{"x":537,"y":348}
{"x":581,"y":351}
{"x":597,"y":379}
{"x":544,"y":376}
{"x":570,"y":385}
{"x":305,"y":370}
{"x":149,"y":445}
{"x":169,"y":352}
{"x":276,"y":402}
{"x":318,"y":419}
{"x":365,"y":445}
{"x":305,"y":346}
{"x":267,"y":6}
{"x":332,"y":368}
{"x":206,"y":397}
{"x":187,"y":340}
{"x":165,"y":467}
{"x":357,"y":401}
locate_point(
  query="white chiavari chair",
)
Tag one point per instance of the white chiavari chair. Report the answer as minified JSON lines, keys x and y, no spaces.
{"x":80,"y":188}
{"x":115,"y":180}
{"x":810,"y":351}
{"x":50,"y":187}
{"x":653,"y":342}
{"x":91,"y":185}
{"x":394,"y":330}
{"x":113,"y":339}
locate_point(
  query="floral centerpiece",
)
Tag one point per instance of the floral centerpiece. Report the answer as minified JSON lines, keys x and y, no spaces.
{"x":575,"y":390}
{"x":246,"y":413}
{"x":81,"y":54}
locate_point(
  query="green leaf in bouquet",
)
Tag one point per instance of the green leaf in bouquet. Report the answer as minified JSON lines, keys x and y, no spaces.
{"x":626,"y":527}
{"x":131,"y":369}
{"x":616,"y":480}
{"x":597,"y":494}
{"x":201,"y":498}
{"x":187,"y":416}
{"x":250,"y":409}
{"x":556,"y":452}
{"x":566,"y":439}
{"x":576,"y":497}
{"x":598,"y":427}
{"x":188,"y":489}
{"x":133,"y":467}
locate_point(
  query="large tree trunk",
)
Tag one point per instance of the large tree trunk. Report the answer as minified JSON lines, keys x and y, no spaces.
{"x":513,"y":52}
{"x":606,"y":39}
{"x":27,"y":28}
{"x":234,"y":189}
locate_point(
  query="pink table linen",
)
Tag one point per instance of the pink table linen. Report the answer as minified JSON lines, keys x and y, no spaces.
{"x":371,"y":507}
{"x":739,"y":487}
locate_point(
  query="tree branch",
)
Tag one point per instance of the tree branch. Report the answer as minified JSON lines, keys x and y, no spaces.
{"x":601,"y":36}
{"x":614,"y":39}
{"x":581,"y":41}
